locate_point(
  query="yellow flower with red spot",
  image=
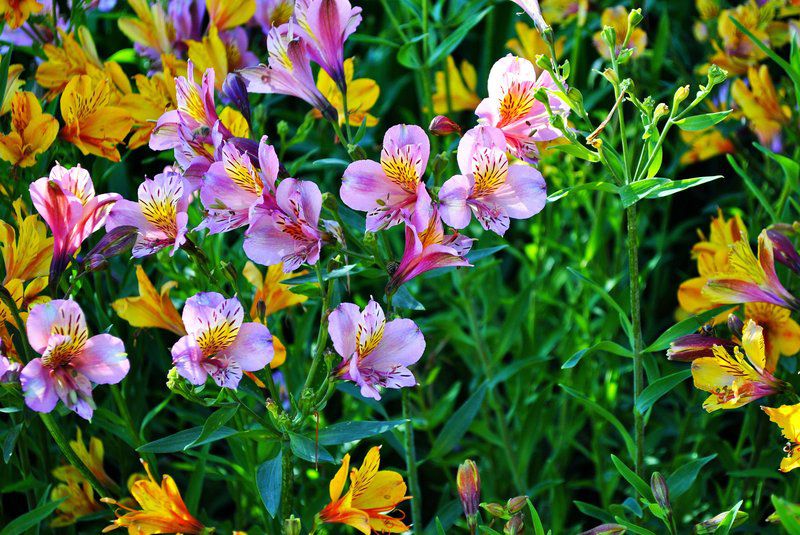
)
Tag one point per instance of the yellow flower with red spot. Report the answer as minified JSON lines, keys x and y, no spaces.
{"x":617,"y":18}
{"x":16,"y":12}
{"x":372,"y":496}
{"x":735,"y":380}
{"x":788,"y":419}
{"x":13,"y":83}
{"x":362,"y":94}
{"x":162,"y":509}
{"x":26,"y":251}
{"x":781,"y":332}
{"x":91,"y":123}
{"x":150,"y":308}
{"x":146,"y":106}
{"x":761,"y":104}
{"x":151,"y":28}
{"x":734,"y":51}
{"x":529,"y":43}
{"x":226,"y":14}
{"x":271,"y":294}
{"x":704,"y":145}
{"x":455,"y":88}
{"x":32,"y":131}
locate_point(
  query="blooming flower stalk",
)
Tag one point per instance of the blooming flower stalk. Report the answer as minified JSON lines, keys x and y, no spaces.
{"x":218,"y":343}
{"x":375,"y":353}
{"x":70,"y":360}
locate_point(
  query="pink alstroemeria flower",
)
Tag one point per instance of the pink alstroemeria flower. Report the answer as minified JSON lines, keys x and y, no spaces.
{"x":287,"y":228}
{"x":428,"y":250}
{"x":67,"y":203}
{"x":9,"y":370}
{"x":488,"y":186}
{"x":288,"y":71}
{"x":70,"y":360}
{"x":218,"y":343}
{"x":374,"y":352}
{"x":512,"y":107}
{"x":160,"y":215}
{"x":233,"y":186}
{"x":393,"y":190}
{"x":325,"y":25}
{"x":534,"y":11}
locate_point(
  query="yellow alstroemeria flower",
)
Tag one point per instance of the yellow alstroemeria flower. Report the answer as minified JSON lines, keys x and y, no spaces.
{"x":362,"y":94}
{"x":146,"y":106}
{"x":13,"y":83}
{"x":162,"y":509}
{"x":736,"y":52}
{"x":77,"y":494}
{"x":372,"y":496}
{"x":459,"y":84}
{"x":26,"y":251}
{"x":32,"y":132}
{"x":16,"y":12}
{"x":529,"y":43}
{"x":65,"y":63}
{"x":150,"y":308}
{"x":735,"y":380}
{"x":92,"y":457}
{"x":761,"y":104}
{"x":563,"y":11}
{"x":617,"y":18}
{"x":227,"y":14}
{"x":234,"y":121}
{"x":788,"y":419}
{"x":151,"y":28}
{"x":211,"y":52}
{"x":712,"y":255}
{"x":271,"y":295}
{"x":704,"y":145}
{"x":91,"y":123}
{"x":781,"y":332}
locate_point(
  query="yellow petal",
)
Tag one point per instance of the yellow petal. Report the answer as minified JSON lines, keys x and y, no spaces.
{"x":150,"y":309}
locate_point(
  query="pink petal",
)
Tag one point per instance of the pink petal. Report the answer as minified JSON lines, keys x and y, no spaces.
{"x":252,"y":349}
{"x":103,"y":360}
{"x":453,"y":198}
{"x":342,"y":328}
{"x":413,"y":137}
{"x":526,"y":193}
{"x":402,"y":344}
{"x":61,"y":314}
{"x":37,"y":385}
{"x":364,"y":183}
{"x":187,"y":358}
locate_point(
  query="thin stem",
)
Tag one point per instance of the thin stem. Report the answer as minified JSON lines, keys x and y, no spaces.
{"x":346,"y":116}
{"x":411,"y":464}
{"x":636,"y":322}
{"x":322,"y":335}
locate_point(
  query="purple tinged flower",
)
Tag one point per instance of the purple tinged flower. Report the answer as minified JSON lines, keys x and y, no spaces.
{"x":392,"y":191}
{"x":9,"y":370}
{"x":428,"y":250}
{"x":512,"y":107}
{"x":70,"y":360}
{"x":160,"y":215}
{"x":785,"y":251}
{"x":288,"y":71}
{"x":218,"y":343}
{"x":187,"y":18}
{"x":326,"y":25}
{"x":488,"y":186}
{"x":286,"y":228}
{"x":375,"y":353}
{"x":534,"y":11}
{"x":233,"y":186}
{"x":443,"y":126}
{"x":234,"y":90}
{"x":237,"y":43}
{"x":271,"y":13}
{"x":694,"y":346}
{"x":66,"y":201}
{"x":468,"y":482}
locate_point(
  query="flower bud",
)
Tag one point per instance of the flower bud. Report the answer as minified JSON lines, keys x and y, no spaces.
{"x":624,"y":55}
{"x":495,"y":509}
{"x":609,"y":35}
{"x":440,"y":163}
{"x":694,"y":346}
{"x":605,"y":529}
{"x":95,"y":262}
{"x":468,"y":481}
{"x":716,"y":75}
{"x":784,"y":250}
{"x":514,"y":526}
{"x":660,"y":491}
{"x":712,"y":524}
{"x":611,"y":76}
{"x":681,"y":94}
{"x":516,"y":504}
{"x":116,"y":241}
{"x":283,"y":128}
{"x":660,"y":111}
{"x":356,"y":152}
{"x":443,"y":126}
{"x":543,"y":62}
{"x":291,"y":526}
{"x":735,"y":325}
{"x":634,"y":18}
{"x":234,"y":90}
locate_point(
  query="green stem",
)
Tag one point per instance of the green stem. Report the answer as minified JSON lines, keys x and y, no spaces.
{"x":411,"y":464}
{"x":636,"y":322}
{"x":322,"y":335}
{"x":346,"y":116}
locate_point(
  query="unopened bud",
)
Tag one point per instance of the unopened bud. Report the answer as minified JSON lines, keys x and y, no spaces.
{"x":735,"y":325}
{"x":694,"y":346}
{"x":712,"y":524}
{"x":784,"y":249}
{"x":291,"y":526}
{"x":283,"y":128}
{"x":716,"y":75}
{"x":95,"y":262}
{"x":468,"y":481}
{"x":516,"y":504}
{"x":634,"y":18}
{"x":611,"y":76}
{"x":660,"y":111}
{"x":605,"y":529}
{"x":609,"y":35}
{"x":443,"y":126}
{"x":660,"y":491}
{"x":234,"y":90}
{"x":514,"y":526}
{"x":356,"y":152}
{"x":495,"y":509}
{"x":115,"y":241}
{"x":625,"y":55}
{"x":680,"y":95}
{"x":543,"y":62}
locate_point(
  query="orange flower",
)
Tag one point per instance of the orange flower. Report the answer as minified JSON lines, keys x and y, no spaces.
{"x":13,"y":83}
{"x":761,"y":104}
{"x":372,"y":495}
{"x":226,"y":14}
{"x":16,"y":12}
{"x":150,"y":308}
{"x":781,"y":332}
{"x":704,"y":145}
{"x":146,"y":106}
{"x":92,"y":124}
{"x":26,"y":251}
{"x":270,"y":290}
{"x":32,"y":132}
{"x":162,"y":509}
{"x":68,"y":61}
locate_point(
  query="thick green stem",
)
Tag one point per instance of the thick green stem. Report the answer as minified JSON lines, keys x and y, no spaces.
{"x":411,"y":464}
{"x":636,"y":323}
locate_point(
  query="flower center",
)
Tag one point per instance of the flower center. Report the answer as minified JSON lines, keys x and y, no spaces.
{"x":401,"y":168}
{"x":517,"y":102}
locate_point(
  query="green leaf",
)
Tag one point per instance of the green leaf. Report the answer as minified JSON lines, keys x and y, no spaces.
{"x":636,"y":482}
{"x":682,"y":479}
{"x":4,"y":66}
{"x":624,"y":321}
{"x":182,"y":439}
{"x":755,"y":190}
{"x":604,"y":346}
{"x":125,"y":55}
{"x":478,"y":254}
{"x":439,"y":527}
{"x":633,"y":528}
{"x":632,"y":193}
{"x":216,"y":420}
{"x":607,"y":416}
{"x":608,"y":187}
{"x":454,"y":38}
{"x":350,"y":269}
{"x":31,"y":519}
{"x":538,"y":528}
{"x":672,"y":187}
{"x":731,"y":518}
{"x":343,"y":432}
{"x":682,"y":328}
{"x":402,"y":298}
{"x":659,"y":388}
{"x":408,"y":56}
{"x":789,"y":515}
{"x":579,"y":151}
{"x":308,"y":450}
{"x":701,"y":122}
{"x":457,"y":425}
{"x":12,"y":434}
{"x":269,"y":480}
